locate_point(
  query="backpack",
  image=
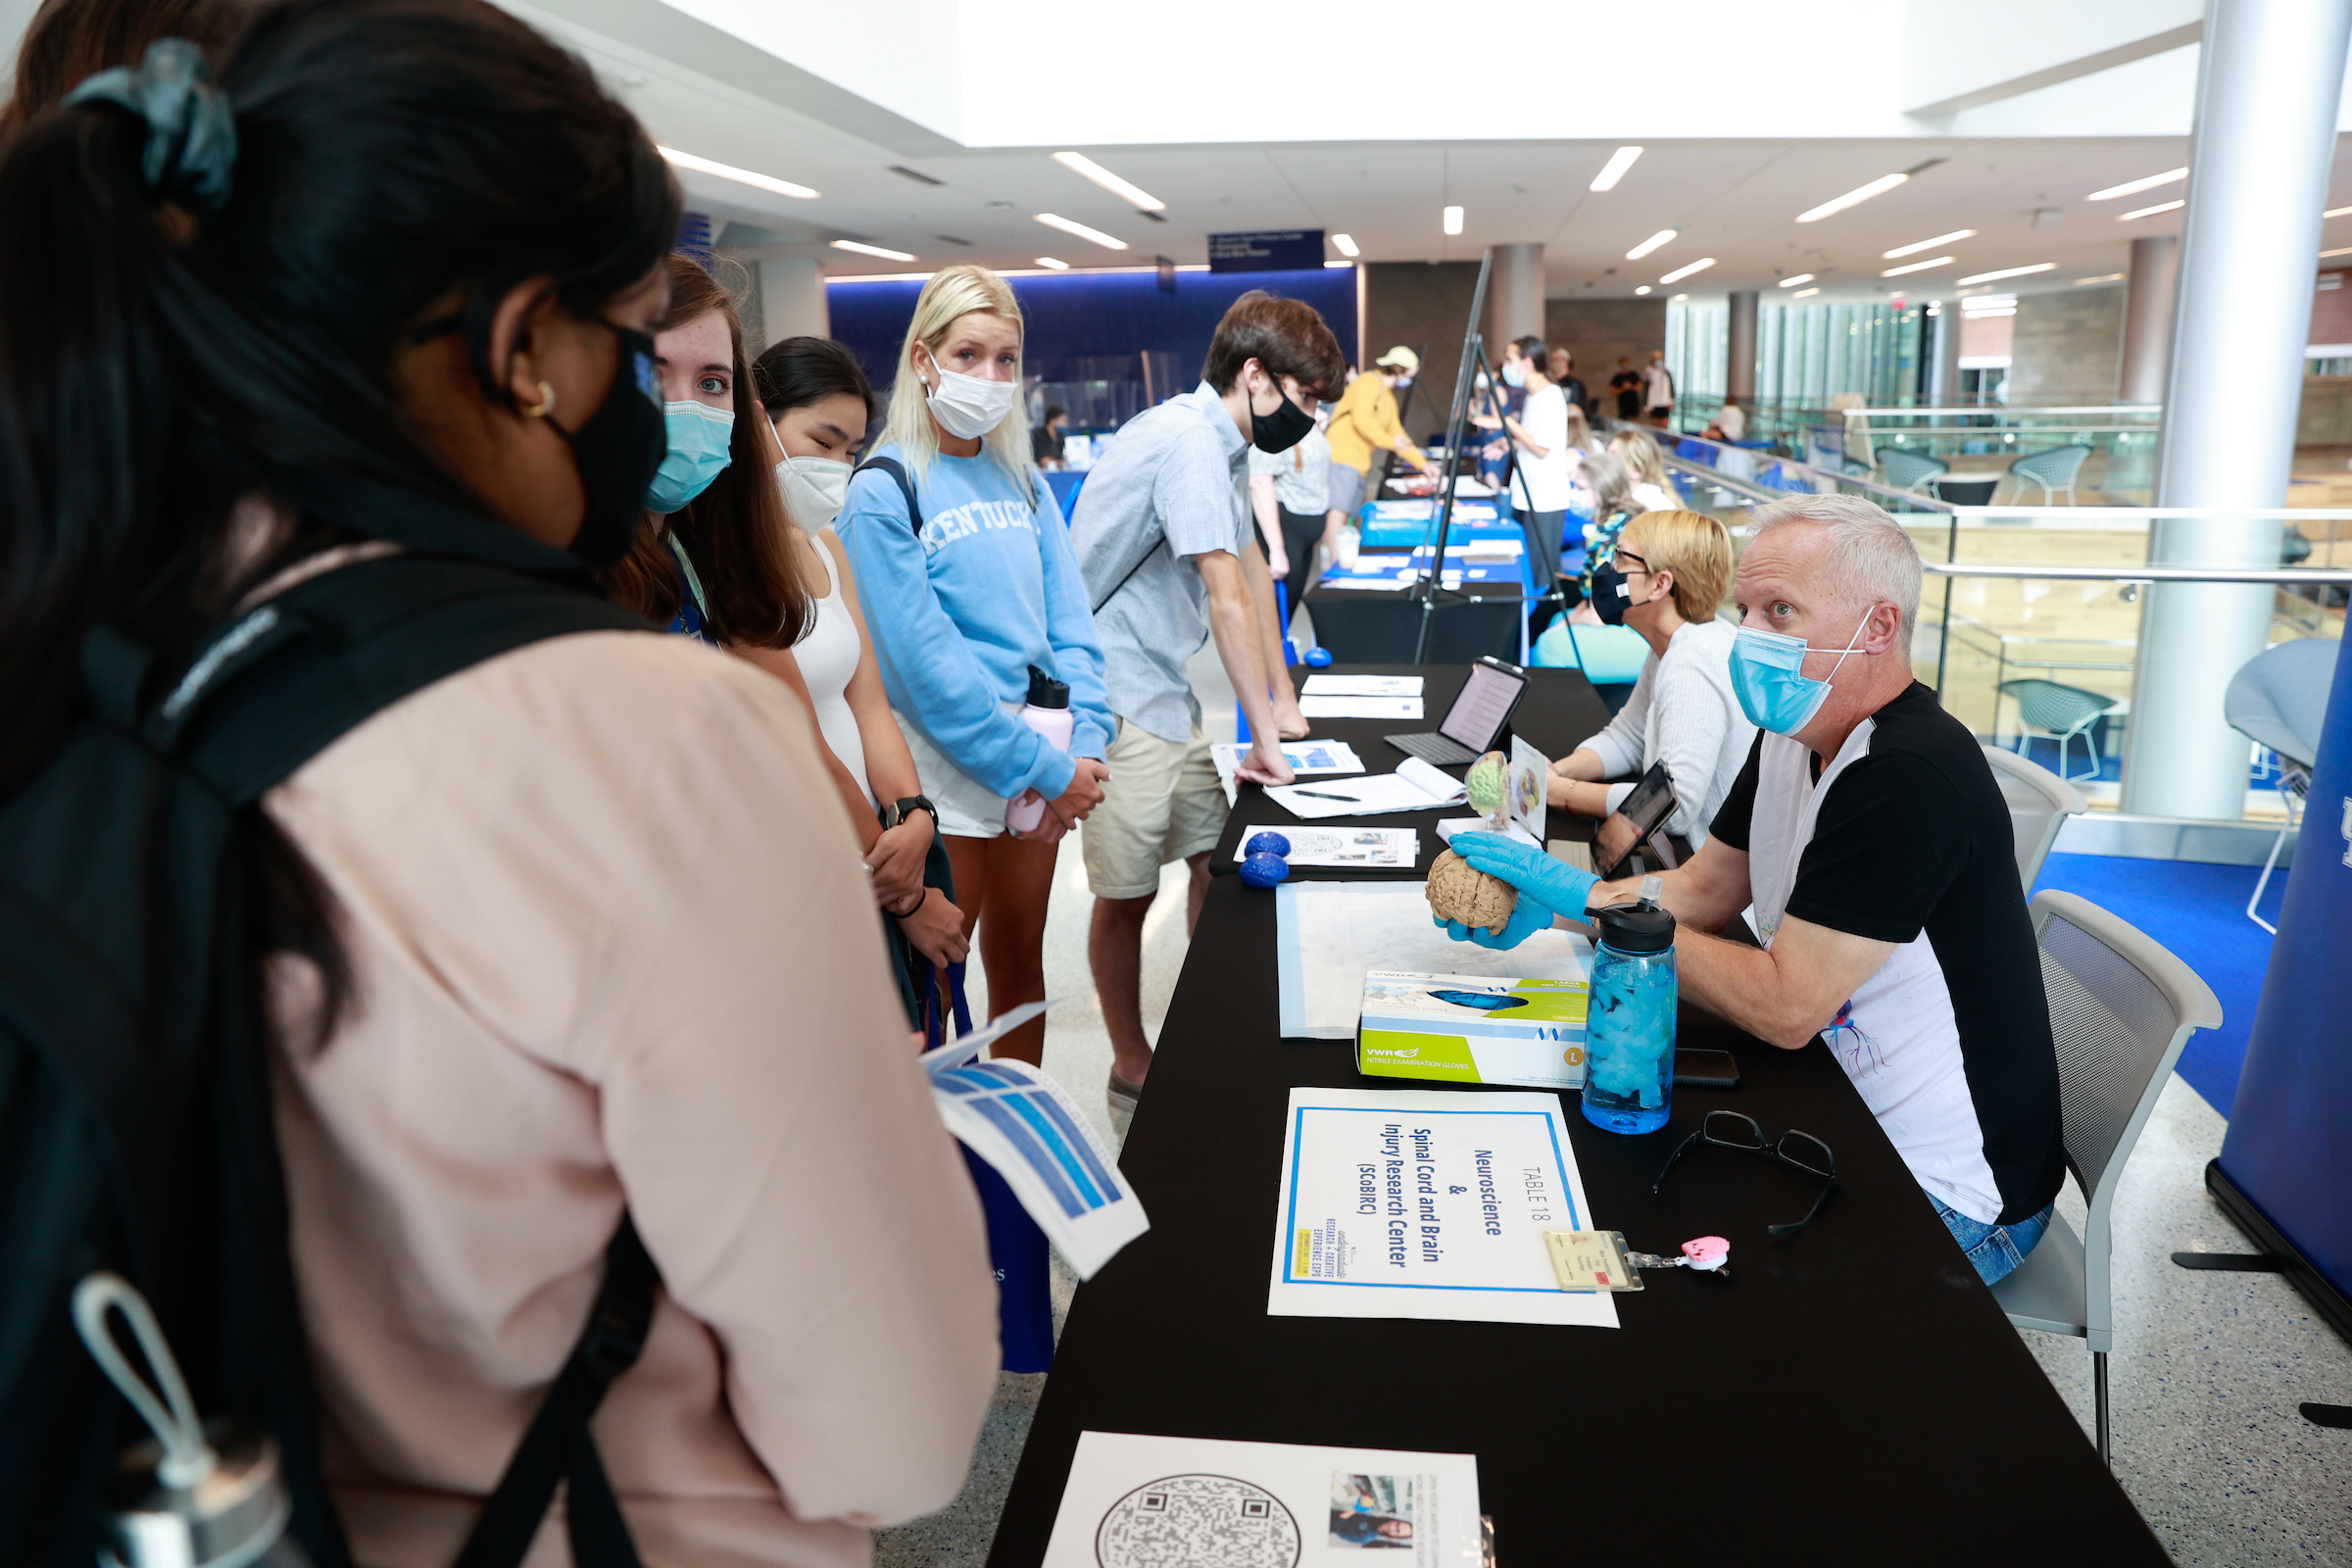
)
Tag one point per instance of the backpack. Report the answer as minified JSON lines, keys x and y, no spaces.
{"x":135,"y":1125}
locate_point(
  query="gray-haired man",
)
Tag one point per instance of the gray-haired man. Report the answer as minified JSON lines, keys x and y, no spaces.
{"x":1868,"y":833}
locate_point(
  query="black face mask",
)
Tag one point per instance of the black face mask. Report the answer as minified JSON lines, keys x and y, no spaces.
{"x":1282,"y":429}
{"x":1611,"y":598}
{"x":616,"y":449}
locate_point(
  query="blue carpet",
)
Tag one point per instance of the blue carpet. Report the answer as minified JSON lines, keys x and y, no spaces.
{"x":2199,"y":912}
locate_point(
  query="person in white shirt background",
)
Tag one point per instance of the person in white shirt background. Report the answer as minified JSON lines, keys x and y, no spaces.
{"x":1666,"y":581}
{"x":1731,"y":422}
{"x":1652,"y":490}
{"x":1657,"y":388}
{"x":1544,"y":475}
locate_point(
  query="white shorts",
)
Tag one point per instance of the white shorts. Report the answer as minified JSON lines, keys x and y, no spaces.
{"x":967,"y":808}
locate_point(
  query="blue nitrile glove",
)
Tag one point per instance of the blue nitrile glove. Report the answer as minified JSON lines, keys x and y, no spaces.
{"x":1546,"y":887}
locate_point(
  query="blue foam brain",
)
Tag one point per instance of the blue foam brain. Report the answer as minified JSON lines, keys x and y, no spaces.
{"x":1266,"y":844}
{"x":1264,"y":871}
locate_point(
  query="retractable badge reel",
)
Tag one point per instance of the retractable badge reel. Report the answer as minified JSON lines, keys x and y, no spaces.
{"x":1599,"y":1260}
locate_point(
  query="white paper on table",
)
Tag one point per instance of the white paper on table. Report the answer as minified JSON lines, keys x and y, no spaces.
{"x":1306,"y":758}
{"x":1325,"y":685}
{"x":1499,"y":549}
{"x":1376,"y":584}
{"x":1355,"y":848}
{"x":1328,"y":934}
{"x":1449,"y":827}
{"x":1415,"y":786}
{"x":1321,"y":707}
{"x":1031,"y":1133}
{"x":1428,"y":1203}
{"x":1138,"y":1501}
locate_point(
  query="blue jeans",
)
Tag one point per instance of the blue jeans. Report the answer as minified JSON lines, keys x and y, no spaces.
{"x":1994,"y":1250}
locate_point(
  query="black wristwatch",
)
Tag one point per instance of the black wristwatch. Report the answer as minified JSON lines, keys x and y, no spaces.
{"x":898,"y":812}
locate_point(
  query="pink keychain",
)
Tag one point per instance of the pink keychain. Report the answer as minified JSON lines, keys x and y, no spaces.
{"x":1710,"y":1255}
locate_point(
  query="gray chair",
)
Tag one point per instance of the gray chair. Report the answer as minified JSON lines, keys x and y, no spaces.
{"x":2054,"y":470}
{"x":2059,"y":712}
{"x":2040,"y":802}
{"x":2278,"y":699}
{"x":2120,"y":1008}
{"x":1908,"y":470}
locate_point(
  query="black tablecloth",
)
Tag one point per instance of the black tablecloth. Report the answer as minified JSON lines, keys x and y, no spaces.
{"x":1363,"y":624}
{"x":1559,"y":711}
{"x":1851,"y":1394}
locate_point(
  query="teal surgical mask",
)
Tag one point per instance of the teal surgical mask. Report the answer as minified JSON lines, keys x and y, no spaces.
{"x":1767,"y":676}
{"x":699,"y":441}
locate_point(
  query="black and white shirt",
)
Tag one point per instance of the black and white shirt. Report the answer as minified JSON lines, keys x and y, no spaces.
{"x":1906,"y":839}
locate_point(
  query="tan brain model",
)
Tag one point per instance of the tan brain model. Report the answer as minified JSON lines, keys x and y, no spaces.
{"x":1460,"y":891}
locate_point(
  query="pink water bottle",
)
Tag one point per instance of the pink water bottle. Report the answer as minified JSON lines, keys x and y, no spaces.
{"x":1049,"y":714}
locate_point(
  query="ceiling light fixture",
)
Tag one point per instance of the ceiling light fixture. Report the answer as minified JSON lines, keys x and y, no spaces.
{"x":1109,"y":181}
{"x":1614,"y":169}
{"x":1651,"y":244}
{"x":1453,"y":220}
{"x":1919,"y":266}
{"x":1345,"y":245}
{"x":1930,"y":244}
{"x":2150,"y":212}
{"x":1052,"y":265}
{"x":2133,"y":187}
{"x":1679,"y":298}
{"x":1862,"y":193}
{"x":2005,"y":310}
{"x":1804,"y":293}
{"x":873,"y":250}
{"x":2346,"y":251}
{"x":2103,"y":278}
{"x":1792,"y":283}
{"x":741,"y":177}
{"x":2336,"y":212}
{"x":1681,"y":273}
{"x":1643,"y":289}
{"x":1067,"y":227}
{"x":2010,"y":272}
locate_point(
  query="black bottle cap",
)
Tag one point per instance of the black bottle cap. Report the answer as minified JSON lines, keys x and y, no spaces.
{"x":1046,"y":692}
{"x":1636,"y":928}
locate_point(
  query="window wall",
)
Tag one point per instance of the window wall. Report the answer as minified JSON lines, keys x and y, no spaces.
{"x":1806,"y":353}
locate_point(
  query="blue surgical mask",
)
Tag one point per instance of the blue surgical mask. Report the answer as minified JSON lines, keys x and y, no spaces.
{"x":699,"y":441}
{"x":1514,"y":374}
{"x":1767,"y":677}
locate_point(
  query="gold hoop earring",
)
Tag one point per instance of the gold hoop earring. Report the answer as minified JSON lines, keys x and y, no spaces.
{"x":547,"y":401}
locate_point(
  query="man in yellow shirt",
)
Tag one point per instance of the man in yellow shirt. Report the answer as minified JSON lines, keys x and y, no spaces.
{"x":1365,"y":424}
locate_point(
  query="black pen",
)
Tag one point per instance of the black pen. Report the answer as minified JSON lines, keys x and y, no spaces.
{"x":1320,"y":795}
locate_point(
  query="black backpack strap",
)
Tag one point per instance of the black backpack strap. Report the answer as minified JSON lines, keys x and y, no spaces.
{"x":558,"y":1447}
{"x":1141,"y":562}
{"x":294,"y":673}
{"x":897,"y":471}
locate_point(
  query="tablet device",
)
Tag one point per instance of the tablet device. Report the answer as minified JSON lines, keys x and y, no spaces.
{"x":1475,"y":722}
{"x":1630,"y":826}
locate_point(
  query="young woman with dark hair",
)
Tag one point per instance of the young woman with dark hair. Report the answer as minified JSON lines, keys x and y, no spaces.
{"x":391,"y":287}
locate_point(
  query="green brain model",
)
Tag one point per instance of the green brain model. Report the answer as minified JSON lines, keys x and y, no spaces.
{"x":1489,"y":785}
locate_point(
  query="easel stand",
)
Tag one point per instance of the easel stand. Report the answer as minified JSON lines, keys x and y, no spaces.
{"x":1431,"y":588}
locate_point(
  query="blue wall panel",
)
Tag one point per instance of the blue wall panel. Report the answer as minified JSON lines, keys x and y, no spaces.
{"x":1089,"y":331}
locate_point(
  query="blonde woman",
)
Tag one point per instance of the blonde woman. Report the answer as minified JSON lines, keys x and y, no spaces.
{"x":1666,"y":581}
{"x":963,"y":605}
{"x":1653,"y":491}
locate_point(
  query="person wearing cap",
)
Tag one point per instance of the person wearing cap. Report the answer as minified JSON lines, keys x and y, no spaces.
{"x":1365,"y":424}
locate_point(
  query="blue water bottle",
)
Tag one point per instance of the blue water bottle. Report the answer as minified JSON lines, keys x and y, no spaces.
{"x":1629,"y":1026}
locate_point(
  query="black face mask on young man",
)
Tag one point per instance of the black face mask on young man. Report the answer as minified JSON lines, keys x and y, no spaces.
{"x":1282,"y":429}
{"x":617,"y":449}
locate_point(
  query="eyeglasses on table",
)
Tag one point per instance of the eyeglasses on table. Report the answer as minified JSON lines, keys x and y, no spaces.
{"x":1729,"y":1129}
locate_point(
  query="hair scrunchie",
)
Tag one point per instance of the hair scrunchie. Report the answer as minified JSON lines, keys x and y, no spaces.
{"x":191,"y":130}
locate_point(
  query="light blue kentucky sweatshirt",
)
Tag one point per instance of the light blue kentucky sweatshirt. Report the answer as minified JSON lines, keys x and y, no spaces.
{"x":958,"y":614}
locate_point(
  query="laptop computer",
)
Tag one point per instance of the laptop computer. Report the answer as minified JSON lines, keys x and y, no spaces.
{"x":1475,"y":721}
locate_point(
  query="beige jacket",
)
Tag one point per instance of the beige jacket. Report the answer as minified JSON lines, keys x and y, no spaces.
{"x":612,"y":942}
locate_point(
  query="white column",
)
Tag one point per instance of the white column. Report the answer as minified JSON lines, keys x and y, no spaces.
{"x":2268,"y":83}
{"x":791,"y":300}
{"x":1740,"y":351}
{"x":1514,"y":296}
{"x":1943,"y":376}
{"x":2155,"y":279}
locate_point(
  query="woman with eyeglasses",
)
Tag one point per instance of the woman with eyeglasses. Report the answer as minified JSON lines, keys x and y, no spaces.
{"x":1666,"y":581}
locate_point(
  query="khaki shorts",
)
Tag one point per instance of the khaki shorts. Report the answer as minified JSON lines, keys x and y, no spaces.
{"x":1164,"y":803}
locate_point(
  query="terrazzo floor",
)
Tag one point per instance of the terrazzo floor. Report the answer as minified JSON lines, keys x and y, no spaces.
{"x":2207,"y":1371}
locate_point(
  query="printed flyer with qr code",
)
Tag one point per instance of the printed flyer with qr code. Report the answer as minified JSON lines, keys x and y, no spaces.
{"x":1136,"y":1501}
